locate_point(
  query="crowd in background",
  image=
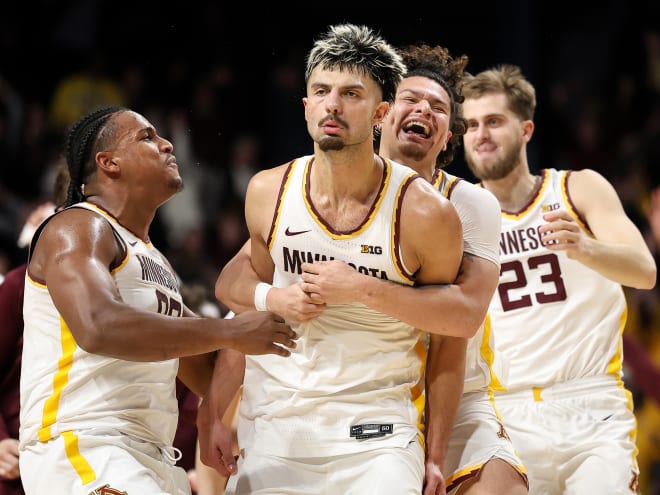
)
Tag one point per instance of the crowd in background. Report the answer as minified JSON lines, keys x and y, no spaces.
{"x":230,"y":103}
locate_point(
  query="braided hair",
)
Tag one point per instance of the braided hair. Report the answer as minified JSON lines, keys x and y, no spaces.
{"x":86,"y":137}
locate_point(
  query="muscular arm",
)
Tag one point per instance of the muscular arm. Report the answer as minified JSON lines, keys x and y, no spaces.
{"x":456,"y":309}
{"x":618,"y":250}
{"x":74,"y":254}
{"x":215,"y":438}
{"x":445,"y":376}
{"x":237,"y":280}
{"x":236,"y":283}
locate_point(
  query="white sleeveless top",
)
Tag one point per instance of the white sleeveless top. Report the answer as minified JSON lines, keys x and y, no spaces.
{"x":66,"y":388}
{"x":554,"y":318}
{"x":353,"y":365}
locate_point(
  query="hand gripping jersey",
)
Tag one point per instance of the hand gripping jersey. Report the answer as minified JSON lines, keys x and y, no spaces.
{"x":554,"y":318}
{"x":65,"y":389}
{"x":478,"y":210}
{"x":349,"y":385}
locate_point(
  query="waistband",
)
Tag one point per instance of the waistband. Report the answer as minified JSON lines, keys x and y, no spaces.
{"x":572,"y":388}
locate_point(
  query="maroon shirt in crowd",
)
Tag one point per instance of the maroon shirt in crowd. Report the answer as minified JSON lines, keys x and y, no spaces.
{"x":11,"y":347}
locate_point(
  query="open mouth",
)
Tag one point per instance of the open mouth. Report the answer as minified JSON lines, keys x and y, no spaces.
{"x":416,"y":127}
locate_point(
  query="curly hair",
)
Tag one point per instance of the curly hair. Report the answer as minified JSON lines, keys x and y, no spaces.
{"x":438,"y":64}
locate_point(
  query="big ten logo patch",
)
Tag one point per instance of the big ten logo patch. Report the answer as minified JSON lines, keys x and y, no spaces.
{"x":551,"y":207}
{"x":107,"y":490}
{"x":367,"y":249}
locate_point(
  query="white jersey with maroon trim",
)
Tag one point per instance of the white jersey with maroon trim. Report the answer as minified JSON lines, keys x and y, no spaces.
{"x":64,"y":388}
{"x":554,"y":318}
{"x":350,"y":384}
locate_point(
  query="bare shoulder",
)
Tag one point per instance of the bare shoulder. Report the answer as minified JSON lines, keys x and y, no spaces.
{"x":73,"y":232}
{"x":268,"y":175}
{"x":423,"y":203}
{"x":74,"y":223}
{"x":587,"y":188}
{"x":580,"y":179}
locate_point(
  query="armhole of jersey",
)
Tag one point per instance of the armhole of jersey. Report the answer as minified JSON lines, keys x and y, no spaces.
{"x":37,"y":234}
{"x":452,"y":184}
{"x":278,"y":205}
{"x":123,"y":253}
{"x":570,"y":206}
{"x":397,"y":254}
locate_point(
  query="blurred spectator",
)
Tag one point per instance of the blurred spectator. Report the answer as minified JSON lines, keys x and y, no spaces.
{"x":11,"y":344}
{"x":83,"y":91}
{"x":286,"y":131}
{"x":244,"y":162}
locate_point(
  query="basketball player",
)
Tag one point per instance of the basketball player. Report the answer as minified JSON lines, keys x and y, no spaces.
{"x":103,"y":328}
{"x":423,"y":130}
{"x":339,"y":416}
{"x":566,"y":249}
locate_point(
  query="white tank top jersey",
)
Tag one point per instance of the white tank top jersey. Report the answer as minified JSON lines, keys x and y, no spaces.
{"x":554,"y":318}
{"x":350,"y":384}
{"x":479,"y":212}
{"x":65,"y":388}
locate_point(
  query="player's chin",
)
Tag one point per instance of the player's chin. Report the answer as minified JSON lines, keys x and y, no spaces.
{"x":176,"y":183}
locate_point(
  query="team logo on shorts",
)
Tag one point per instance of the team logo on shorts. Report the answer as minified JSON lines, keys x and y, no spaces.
{"x":107,"y":490}
{"x":634,"y":483}
{"x":502,"y":433}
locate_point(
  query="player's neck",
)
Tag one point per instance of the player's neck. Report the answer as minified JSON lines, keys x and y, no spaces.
{"x":516,"y":190}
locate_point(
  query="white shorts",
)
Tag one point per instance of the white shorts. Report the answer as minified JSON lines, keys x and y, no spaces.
{"x":385,"y":471}
{"x":576,"y":437}
{"x":83,"y":464}
{"x":477,"y":436}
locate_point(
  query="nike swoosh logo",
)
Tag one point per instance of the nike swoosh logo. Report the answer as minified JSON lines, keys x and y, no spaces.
{"x":293,"y":232}
{"x":132,"y":243}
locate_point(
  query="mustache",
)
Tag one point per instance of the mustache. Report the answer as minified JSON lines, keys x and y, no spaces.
{"x":334,"y":118}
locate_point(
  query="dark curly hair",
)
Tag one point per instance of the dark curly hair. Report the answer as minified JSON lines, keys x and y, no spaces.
{"x":436,"y":63}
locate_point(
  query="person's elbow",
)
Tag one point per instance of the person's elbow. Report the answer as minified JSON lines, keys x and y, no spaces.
{"x":648,"y":277}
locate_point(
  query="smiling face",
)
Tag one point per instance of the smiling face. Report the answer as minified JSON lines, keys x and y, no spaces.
{"x":495,"y":138}
{"x":416,"y":129}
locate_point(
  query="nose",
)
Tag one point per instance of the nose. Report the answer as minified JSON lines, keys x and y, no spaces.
{"x":332,"y":102}
{"x":423,"y":106}
{"x":481,"y":131}
{"x":166,"y":145}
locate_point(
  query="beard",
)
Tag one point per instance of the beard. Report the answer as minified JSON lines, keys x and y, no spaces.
{"x":412,"y":152}
{"x":331,"y":143}
{"x":500,"y":169}
{"x":176,"y":184}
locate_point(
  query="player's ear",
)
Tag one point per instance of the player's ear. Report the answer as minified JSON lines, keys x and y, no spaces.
{"x":380,"y":113}
{"x":108,"y":162}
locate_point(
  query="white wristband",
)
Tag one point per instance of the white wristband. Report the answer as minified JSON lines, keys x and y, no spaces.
{"x":260,"y":293}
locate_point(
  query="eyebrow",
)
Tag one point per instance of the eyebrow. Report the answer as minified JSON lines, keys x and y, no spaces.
{"x":417,"y":93}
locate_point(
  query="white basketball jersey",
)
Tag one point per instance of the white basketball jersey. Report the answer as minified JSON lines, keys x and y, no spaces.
{"x":65,"y":388}
{"x":553,"y":317}
{"x":350,"y":384}
{"x":479,"y":212}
